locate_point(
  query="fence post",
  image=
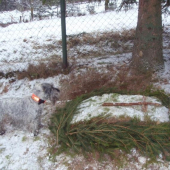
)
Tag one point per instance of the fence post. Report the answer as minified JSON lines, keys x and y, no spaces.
{"x":63,"y":30}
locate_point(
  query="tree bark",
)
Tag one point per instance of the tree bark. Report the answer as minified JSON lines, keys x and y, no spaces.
{"x":32,"y":10}
{"x":147,"y":51}
{"x":106,"y":5}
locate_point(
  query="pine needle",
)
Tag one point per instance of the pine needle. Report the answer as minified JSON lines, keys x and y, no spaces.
{"x":99,"y":134}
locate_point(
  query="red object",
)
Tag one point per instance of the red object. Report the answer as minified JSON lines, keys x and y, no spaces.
{"x":37,"y":99}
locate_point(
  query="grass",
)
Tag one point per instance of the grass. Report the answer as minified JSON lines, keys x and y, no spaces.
{"x":2,"y":150}
{"x":8,"y":157}
{"x":92,"y":79}
{"x":87,"y":45}
{"x":100,"y":41}
{"x":24,"y":138}
{"x":95,"y":38}
{"x":37,"y":138}
{"x":43,"y":70}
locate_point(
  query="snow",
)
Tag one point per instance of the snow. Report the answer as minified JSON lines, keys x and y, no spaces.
{"x":24,"y":87}
{"x":19,"y":42}
{"x":21,"y":150}
{"x":25,"y":151}
{"x":92,"y":107}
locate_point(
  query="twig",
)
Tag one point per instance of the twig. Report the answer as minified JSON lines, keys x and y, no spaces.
{"x":131,"y":104}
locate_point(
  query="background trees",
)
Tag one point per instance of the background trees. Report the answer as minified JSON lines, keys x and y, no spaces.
{"x":29,"y":4}
{"x":6,"y":5}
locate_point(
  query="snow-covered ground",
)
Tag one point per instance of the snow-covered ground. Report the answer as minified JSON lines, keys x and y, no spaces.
{"x":24,"y":43}
{"x":92,"y":107}
{"x":21,"y":44}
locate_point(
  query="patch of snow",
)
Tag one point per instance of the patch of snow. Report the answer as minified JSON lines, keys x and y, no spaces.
{"x":21,"y":88}
{"x":92,"y":107}
{"x":142,"y":160}
{"x":21,"y":150}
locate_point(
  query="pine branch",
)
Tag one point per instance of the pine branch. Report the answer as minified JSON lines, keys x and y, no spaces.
{"x":100,"y":134}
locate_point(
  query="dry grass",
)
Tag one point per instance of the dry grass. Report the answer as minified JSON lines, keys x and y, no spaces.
{"x":126,"y":79}
{"x":91,"y":39}
{"x":5,"y":89}
{"x":92,"y":79}
{"x":82,"y":83}
{"x":93,"y":162}
{"x":99,"y":40}
{"x":85,"y":45}
{"x":43,"y":70}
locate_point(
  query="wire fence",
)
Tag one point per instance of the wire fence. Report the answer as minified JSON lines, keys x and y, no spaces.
{"x":100,"y":30}
{"x":94,"y":29}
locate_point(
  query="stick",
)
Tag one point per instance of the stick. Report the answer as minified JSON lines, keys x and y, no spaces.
{"x":131,"y":104}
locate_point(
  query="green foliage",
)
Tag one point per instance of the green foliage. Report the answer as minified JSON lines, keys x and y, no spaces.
{"x":106,"y":136}
{"x":50,"y":2}
{"x":96,"y":134}
{"x":24,"y":138}
{"x":160,"y":94}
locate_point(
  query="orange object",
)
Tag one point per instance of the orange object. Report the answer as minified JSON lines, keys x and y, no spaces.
{"x":36,"y":98}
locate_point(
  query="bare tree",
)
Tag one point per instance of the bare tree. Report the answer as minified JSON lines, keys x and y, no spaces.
{"x":106,"y":5}
{"x":126,"y":4}
{"x":6,"y":5}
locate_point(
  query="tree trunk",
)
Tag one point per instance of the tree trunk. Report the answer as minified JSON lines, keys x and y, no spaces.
{"x":106,"y":5}
{"x":5,"y":2}
{"x":147,"y":51}
{"x":32,"y":13}
{"x":31,"y":9}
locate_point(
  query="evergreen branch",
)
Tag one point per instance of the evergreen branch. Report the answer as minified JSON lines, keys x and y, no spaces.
{"x":135,"y":132}
{"x":94,"y":131}
{"x":105,"y":136}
